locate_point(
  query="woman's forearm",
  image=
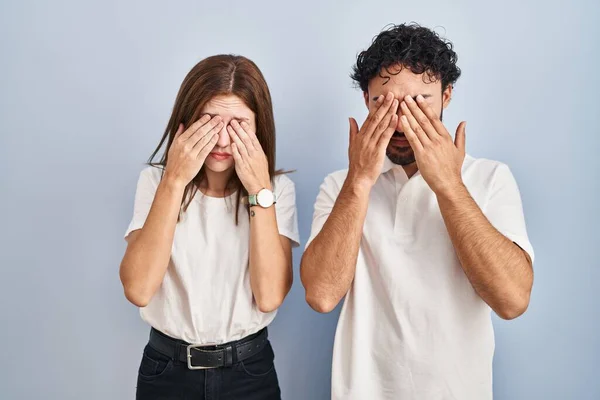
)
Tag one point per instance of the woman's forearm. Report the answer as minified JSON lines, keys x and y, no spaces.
{"x":270,"y":260}
{"x":149,"y":249}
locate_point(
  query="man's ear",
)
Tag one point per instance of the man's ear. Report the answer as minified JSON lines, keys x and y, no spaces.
{"x":446,"y":96}
{"x":366,"y":96}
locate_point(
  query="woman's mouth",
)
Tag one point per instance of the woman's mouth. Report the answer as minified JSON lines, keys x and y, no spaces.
{"x":220,"y":156}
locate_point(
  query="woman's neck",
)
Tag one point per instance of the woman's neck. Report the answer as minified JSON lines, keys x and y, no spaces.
{"x":216,"y":184}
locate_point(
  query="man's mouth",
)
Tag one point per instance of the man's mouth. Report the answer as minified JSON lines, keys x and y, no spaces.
{"x":398,"y":139}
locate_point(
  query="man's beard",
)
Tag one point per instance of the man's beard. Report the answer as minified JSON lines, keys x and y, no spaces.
{"x":403,"y":155}
{"x":400,"y":156}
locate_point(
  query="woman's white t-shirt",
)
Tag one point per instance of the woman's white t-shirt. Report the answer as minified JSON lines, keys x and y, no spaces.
{"x":205,"y":297}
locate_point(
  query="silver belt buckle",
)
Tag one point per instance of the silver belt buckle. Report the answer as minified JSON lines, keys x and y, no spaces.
{"x":189,"y":357}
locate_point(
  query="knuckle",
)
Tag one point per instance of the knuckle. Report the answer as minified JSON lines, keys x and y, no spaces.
{"x":423,"y":120}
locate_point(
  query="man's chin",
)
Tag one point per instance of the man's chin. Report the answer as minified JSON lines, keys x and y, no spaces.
{"x":400,"y":155}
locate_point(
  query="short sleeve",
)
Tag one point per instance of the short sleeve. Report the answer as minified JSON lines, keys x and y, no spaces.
{"x":285,"y":209}
{"x":504,"y":209}
{"x":144,"y":196}
{"x":326,"y":198}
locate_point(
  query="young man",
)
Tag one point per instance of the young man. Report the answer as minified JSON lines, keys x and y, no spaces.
{"x":422,"y":239}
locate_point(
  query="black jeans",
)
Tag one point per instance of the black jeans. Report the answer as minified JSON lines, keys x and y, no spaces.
{"x":162,"y":377}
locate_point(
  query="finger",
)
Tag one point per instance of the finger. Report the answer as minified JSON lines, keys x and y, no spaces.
{"x":246,"y":127}
{"x":375,"y":118}
{"x":199,"y":145}
{"x":461,"y":136}
{"x":180,"y":130}
{"x":418,"y":130}
{"x":378,"y":104}
{"x":384,"y":140}
{"x":434,"y":119}
{"x":195,"y":126}
{"x":353,"y":128}
{"x":411,"y":107}
{"x":237,"y":157}
{"x":242,"y":134}
{"x":385,"y":122}
{"x":204,"y":131}
{"x":236,"y":139}
{"x":413,"y":139}
{"x":206,"y":145}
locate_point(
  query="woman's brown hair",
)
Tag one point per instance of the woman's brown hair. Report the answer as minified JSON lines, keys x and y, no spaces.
{"x":211,"y":77}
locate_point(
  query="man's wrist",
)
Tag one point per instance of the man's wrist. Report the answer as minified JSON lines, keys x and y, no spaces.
{"x":358,"y":185}
{"x":452,"y":191}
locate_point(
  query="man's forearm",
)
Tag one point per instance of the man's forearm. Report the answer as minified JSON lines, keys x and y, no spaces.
{"x":498,"y":269}
{"x":329,"y":262}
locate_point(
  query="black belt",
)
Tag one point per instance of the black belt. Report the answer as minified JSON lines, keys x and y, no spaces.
{"x":203,"y":357}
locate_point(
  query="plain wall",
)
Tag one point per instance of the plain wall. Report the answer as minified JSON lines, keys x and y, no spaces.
{"x":86,"y":89}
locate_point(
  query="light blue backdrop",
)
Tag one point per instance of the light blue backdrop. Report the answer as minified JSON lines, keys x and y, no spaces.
{"x":86,"y":89}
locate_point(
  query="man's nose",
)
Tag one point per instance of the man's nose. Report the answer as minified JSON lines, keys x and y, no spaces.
{"x":400,"y":114}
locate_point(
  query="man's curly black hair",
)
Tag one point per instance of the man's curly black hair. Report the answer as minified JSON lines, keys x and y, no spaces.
{"x":411,"y":46}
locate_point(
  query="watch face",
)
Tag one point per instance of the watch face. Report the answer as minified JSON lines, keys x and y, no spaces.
{"x":265,"y":198}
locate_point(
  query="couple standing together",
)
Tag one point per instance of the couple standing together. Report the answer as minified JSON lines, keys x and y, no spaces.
{"x":421,"y":239}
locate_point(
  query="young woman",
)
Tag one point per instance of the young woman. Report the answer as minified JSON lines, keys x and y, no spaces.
{"x":209,"y":254}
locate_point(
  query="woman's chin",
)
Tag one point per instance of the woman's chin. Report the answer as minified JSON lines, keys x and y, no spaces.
{"x":218,"y":166}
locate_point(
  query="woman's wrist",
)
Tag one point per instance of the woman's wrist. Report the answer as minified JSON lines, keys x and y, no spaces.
{"x":173,"y":184}
{"x":257,"y":187}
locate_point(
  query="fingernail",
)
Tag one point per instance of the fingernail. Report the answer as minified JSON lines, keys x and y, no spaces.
{"x":408,"y":99}
{"x":420,"y":98}
{"x":389,"y":96}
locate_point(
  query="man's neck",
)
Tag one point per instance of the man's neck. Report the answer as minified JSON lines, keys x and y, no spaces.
{"x":410,"y":169}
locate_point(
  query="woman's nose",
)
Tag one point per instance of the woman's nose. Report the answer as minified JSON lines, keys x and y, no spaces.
{"x":224,"y":139}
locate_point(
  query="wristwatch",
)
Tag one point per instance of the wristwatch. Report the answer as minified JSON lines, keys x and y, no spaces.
{"x":264,"y":198}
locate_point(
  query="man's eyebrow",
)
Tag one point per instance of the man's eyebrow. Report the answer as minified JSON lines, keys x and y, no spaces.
{"x":425,"y":96}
